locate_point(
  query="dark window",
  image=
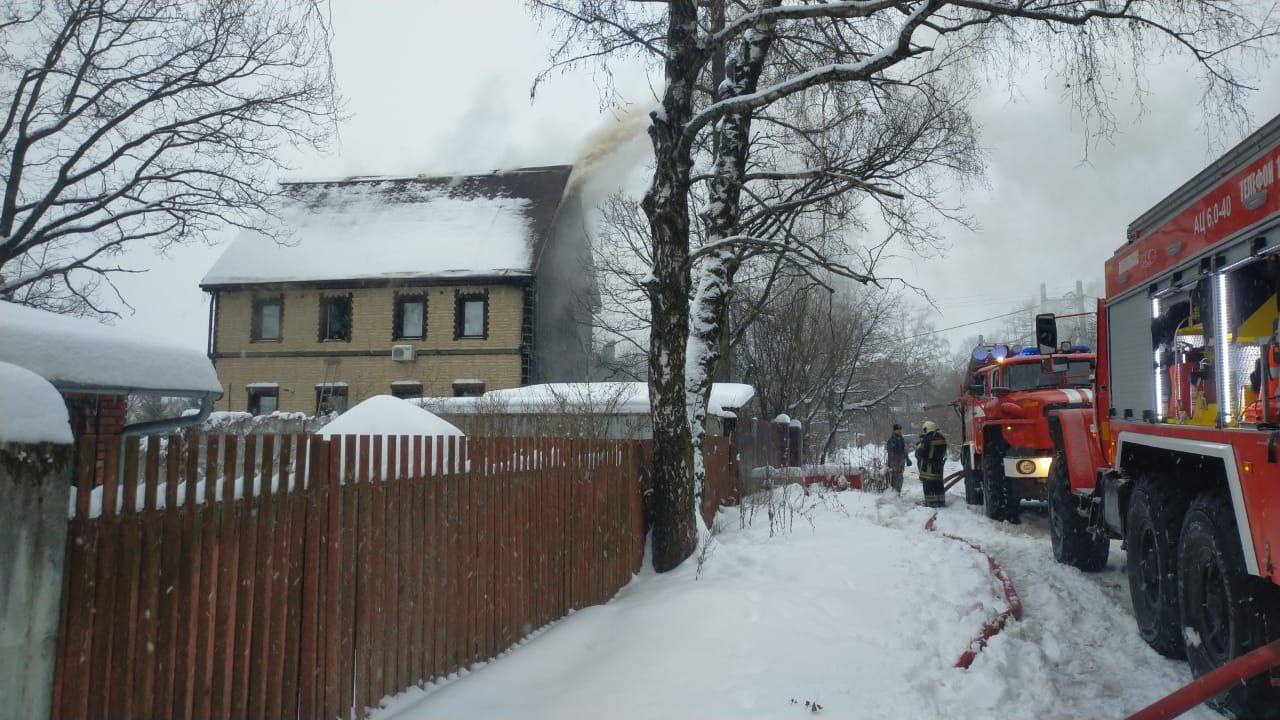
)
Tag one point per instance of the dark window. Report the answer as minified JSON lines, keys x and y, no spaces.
{"x":468,"y":388}
{"x":410,"y":321}
{"x":1029,"y":376}
{"x":471,"y":315}
{"x":267,"y":320}
{"x":264,"y":400}
{"x":406,"y":389}
{"x":331,"y":399}
{"x":335,"y":318}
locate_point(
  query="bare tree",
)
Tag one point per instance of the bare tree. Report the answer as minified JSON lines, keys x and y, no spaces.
{"x":157,"y":121}
{"x":825,"y":358}
{"x":771,"y":50}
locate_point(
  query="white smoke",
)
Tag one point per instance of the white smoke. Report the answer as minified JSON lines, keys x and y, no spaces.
{"x":612,"y":152}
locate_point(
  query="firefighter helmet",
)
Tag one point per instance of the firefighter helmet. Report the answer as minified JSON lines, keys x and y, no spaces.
{"x":929,"y":426}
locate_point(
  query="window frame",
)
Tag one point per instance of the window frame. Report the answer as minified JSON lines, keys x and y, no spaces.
{"x":468,"y":389}
{"x":322,"y":323}
{"x":397,"y":315}
{"x":334,"y":390}
{"x":254,"y":397}
{"x":255,"y":319}
{"x":396,"y":388}
{"x":460,"y":300}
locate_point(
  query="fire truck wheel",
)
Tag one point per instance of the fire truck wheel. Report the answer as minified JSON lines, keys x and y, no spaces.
{"x":972,"y":483}
{"x":1073,"y":544}
{"x":1226,"y":613}
{"x":999,"y":498}
{"x":1151,"y":538}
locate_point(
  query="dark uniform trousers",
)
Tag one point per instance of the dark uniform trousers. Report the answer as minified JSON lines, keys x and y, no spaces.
{"x":931,"y":455}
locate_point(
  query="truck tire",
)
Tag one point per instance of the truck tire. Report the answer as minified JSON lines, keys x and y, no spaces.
{"x":999,"y":498}
{"x":1073,"y":543}
{"x":1225,"y":612}
{"x":972,"y":482}
{"x":1151,"y":532}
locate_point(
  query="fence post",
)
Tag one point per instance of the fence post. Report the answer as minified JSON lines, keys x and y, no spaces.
{"x":34,"y":490}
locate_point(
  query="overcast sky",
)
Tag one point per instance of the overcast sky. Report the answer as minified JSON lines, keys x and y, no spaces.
{"x":435,"y":86}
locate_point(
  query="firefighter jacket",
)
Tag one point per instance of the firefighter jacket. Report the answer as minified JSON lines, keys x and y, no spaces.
{"x":896,"y":447}
{"x":931,"y":455}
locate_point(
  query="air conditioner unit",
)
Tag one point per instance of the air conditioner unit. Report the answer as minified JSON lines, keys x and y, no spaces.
{"x":402,"y":353}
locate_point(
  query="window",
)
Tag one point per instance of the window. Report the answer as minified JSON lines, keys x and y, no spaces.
{"x":410,"y":321}
{"x":331,"y":399}
{"x":266,"y":321}
{"x":264,"y":398}
{"x":335,"y":318}
{"x":406,"y":389}
{"x":1040,"y":374}
{"x":471,"y":315}
{"x":468,"y":388}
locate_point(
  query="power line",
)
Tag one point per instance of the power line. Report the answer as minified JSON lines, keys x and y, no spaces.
{"x":957,"y":327}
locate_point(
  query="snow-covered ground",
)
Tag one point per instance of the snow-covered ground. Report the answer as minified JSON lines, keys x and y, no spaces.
{"x":857,"y":609}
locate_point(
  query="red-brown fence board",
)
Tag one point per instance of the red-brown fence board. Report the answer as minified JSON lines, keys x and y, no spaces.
{"x":297,"y":577}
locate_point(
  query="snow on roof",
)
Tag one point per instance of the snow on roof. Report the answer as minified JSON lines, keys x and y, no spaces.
{"x":727,"y":397}
{"x":611,"y":398}
{"x":43,"y":414}
{"x":465,"y":226}
{"x":81,"y":354}
{"x":388,"y":415}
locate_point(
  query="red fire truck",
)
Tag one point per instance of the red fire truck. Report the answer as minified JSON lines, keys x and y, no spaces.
{"x":1006,"y":449}
{"x":1180,"y":457}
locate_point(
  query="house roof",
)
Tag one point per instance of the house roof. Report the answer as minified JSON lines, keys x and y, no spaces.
{"x":79,"y":354}
{"x":366,"y":228}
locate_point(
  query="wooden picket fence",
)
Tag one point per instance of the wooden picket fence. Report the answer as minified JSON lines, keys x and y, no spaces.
{"x":352,"y":571}
{"x":722,"y":482}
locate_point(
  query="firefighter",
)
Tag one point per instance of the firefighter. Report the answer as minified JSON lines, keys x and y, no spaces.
{"x":896,"y":448}
{"x":931,"y":455}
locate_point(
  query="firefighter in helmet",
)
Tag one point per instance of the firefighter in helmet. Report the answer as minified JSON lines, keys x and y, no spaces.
{"x":931,"y":455}
{"x":896,"y":449}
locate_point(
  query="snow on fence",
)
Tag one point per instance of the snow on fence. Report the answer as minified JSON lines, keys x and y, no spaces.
{"x":322,"y":592}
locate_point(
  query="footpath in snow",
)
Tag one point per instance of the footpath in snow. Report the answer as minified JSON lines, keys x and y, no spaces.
{"x":856,"y":608}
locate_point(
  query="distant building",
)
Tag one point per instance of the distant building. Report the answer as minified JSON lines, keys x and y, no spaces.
{"x":407,"y":286}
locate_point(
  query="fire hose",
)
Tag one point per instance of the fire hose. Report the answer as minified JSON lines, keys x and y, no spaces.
{"x":1172,"y":705}
{"x":993,"y":626}
{"x":1212,"y":683}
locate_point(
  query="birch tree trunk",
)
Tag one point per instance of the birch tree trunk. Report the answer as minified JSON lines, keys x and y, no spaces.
{"x":666,"y":204}
{"x":732,"y":139}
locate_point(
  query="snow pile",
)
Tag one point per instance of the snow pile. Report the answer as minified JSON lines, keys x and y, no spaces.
{"x":33,"y":410}
{"x":862,"y":456}
{"x":73,"y":353}
{"x":388,"y":415}
{"x":857,"y":609}
{"x":382,"y":229}
{"x":243,"y":423}
{"x":620,"y":398}
{"x":606,"y":398}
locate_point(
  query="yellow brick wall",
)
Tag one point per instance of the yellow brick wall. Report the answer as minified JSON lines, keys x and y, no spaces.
{"x":365,"y":376}
{"x":372,"y":313}
{"x":371,"y":318}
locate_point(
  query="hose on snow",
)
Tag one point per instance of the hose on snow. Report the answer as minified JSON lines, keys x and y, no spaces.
{"x":997,"y":623}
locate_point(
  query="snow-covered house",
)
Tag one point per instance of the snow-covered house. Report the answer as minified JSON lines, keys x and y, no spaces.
{"x":412,"y":286}
{"x":96,"y":367}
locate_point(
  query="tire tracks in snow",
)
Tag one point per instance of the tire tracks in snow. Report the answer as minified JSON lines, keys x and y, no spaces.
{"x":1076,"y":651}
